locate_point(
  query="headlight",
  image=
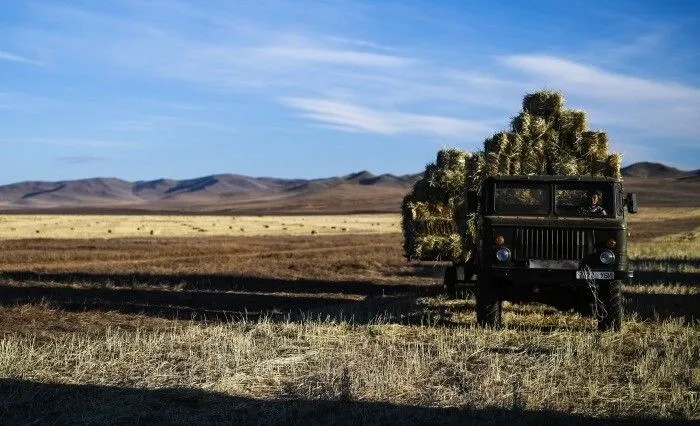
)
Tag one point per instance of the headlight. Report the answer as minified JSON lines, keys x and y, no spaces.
{"x":503,"y":254}
{"x":607,"y":257}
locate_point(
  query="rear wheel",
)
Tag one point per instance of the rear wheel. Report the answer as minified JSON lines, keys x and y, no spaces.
{"x":488,"y":306}
{"x":609,"y":311}
{"x":450,"y":282}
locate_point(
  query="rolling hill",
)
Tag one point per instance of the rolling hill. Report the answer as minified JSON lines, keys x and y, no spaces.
{"x":223,"y":193}
{"x":656,"y":184}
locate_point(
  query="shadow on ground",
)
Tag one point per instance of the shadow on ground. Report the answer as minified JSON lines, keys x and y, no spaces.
{"x":224,"y":297}
{"x":213,"y":297}
{"x":666,"y":271}
{"x":27,"y":402}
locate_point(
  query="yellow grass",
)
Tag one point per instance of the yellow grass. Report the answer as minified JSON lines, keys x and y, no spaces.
{"x":399,"y":359}
{"x":115,"y":226}
{"x":121,"y":226}
{"x":664,"y":213}
{"x":648,"y":370}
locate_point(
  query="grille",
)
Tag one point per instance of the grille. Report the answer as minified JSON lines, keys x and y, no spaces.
{"x":552,"y":243}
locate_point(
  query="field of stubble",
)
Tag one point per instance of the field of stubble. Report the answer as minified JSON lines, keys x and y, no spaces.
{"x":332,"y":326}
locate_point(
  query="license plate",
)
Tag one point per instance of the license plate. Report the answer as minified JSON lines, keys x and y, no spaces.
{"x":595,"y":275}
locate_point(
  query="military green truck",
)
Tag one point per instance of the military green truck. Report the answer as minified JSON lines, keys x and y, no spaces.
{"x":558,"y":240}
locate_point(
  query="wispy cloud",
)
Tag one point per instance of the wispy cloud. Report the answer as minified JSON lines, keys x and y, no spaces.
{"x":11,"y":57}
{"x":612,"y":98}
{"x":159,"y":122}
{"x":599,"y":83}
{"x":351,"y":117}
{"x":343,"y":80}
{"x":332,"y":56}
{"x":84,"y":159}
{"x":81,"y":143}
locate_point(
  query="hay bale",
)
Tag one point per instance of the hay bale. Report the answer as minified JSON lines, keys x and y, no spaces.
{"x":566,"y":165}
{"x":439,"y":247}
{"x":451,"y":158}
{"x":538,"y":127}
{"x":572,"y":121}
{"x":521,"y":123}
{"x":612,"y":166}
{"x":545,"y":103}
{"x":429,"y":211}
{"x":491,"y":167}
{"x":602,"y":144}
{"x":528,"y":160}
{"x":497,"y":143}
{"x":589,"y":145}
{"x":476,"y":170}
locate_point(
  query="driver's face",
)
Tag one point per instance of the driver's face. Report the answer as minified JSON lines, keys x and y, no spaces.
{"x":594,"y":199}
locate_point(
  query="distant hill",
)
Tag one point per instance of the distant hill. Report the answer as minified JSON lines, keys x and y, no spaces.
{"x":655,"y":170}
{"x":360,"y":191}
{"x":655,"y":184}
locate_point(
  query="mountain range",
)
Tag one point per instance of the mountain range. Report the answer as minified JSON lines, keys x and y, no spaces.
{"x":656,"y":184}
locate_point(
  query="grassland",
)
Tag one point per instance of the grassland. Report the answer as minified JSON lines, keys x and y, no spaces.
{"x":329,"y":328}
{"x":132,"y":226}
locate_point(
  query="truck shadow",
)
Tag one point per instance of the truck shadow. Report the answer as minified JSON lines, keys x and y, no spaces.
{"x":29,"y":402}
{"x":228,"y":297}
{"x":217,"y":283}
{"x":655,"y":306}
{"x":666,"y":271}
{"x":215,"y":297}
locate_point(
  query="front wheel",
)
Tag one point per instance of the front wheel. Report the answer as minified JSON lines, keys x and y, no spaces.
{"x":488,"y":306}
{"x":609,"y":306}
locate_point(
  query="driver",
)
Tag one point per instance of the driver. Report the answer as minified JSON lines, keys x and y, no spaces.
{"x":593,"y":202}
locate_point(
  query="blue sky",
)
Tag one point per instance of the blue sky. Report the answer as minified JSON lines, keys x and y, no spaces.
{"x":142,"y":89}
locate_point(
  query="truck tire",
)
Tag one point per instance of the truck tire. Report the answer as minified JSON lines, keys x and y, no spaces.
{"x":488,"y":307}
{"x":610,"y":295}
{"x":450,"y":282}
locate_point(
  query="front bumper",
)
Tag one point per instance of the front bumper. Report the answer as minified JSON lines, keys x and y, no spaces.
{"x":524,"y":276}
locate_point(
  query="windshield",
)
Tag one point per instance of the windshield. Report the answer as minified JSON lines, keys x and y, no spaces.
{"x":522,"y":198}
{"x":584,"y":200}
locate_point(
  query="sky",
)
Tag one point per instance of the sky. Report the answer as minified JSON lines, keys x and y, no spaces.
{"x":144,"y":89}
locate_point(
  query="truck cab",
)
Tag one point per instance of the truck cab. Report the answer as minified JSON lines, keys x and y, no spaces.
{"x":559,"y":240}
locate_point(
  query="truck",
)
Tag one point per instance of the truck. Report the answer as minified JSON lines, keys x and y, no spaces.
{"x":557,"y":240}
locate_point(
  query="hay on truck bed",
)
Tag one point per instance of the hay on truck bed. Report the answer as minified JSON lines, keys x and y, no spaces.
{"x":545,"y":138}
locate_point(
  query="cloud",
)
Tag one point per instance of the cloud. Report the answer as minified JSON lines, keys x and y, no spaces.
{"x":85,"y":159}
{"x":82,"y":143}
{"x":159,"y":122}
{"x":332,"y":56}
{"x":598,"y":83}
{"x":611,"y":98}
{"x":11,"y":57}
{"x":339,"y":79}
{"x":349,"y":117}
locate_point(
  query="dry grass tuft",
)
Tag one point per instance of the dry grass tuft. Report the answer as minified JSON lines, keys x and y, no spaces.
{"x":649,"y":371}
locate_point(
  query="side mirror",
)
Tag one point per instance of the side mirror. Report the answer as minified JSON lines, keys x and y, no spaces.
{"x":472,"y":201}
{"x":632,"y":202}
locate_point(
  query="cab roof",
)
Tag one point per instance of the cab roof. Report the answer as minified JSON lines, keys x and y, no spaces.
{"x":553,"y":178}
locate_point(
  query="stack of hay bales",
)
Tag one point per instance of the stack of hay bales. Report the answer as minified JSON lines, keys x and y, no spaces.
{"x":545,"y":139}
{"x":431,"y":211}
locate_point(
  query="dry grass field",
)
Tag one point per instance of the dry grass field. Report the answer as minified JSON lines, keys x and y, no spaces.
{"x":125,"y":226}
{"x":216,"y":327}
